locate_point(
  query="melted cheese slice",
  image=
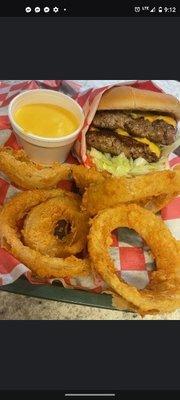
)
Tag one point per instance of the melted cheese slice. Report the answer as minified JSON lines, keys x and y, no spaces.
{"x":151,"y":118}
{"x":122,"y":132}
{"x":153,"y":147}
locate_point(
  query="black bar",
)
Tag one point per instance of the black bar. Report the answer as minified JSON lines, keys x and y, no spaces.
{"x":93,"y":8}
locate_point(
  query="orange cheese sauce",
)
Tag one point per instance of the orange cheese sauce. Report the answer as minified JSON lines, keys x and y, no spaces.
{"x":45,"y":120}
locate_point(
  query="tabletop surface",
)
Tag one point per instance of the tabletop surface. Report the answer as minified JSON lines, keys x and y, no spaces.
{"x":18,"y":307}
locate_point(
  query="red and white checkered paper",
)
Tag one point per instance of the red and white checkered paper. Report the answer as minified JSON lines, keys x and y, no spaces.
{"x":133,"y":260}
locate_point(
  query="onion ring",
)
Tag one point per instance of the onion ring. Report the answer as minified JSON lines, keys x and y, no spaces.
{"x":29,"y":175}
{"x":85,"y":176}
{"x":41,"y":222}
{"x":41,"y":265}
{"x":163,"y":292}
{"x":156,"y":203}
{"x":115,"y":191}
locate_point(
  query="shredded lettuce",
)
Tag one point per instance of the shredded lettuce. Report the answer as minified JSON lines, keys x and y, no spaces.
{"x":121,"y":165}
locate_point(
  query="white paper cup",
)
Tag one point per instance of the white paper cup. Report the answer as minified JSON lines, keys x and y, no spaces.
{"x":39,"y":149}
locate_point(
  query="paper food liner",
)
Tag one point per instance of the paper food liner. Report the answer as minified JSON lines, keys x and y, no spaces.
{"x":132,"y":258}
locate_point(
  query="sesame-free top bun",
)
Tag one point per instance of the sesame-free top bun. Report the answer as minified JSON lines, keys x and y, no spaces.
{"x":129,"y":98}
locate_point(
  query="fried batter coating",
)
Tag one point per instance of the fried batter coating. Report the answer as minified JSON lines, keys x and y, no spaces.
{"x":156,"y":203}
{"x":163,"y":292}
{"x":114,"y":191}
{"x":41,"y":221}
{"x":29,"y":175}
{"x":41,"y":265}
{"x":85,"y":176}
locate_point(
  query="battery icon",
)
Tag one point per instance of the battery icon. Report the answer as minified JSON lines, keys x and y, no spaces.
{"x":160,"y":9}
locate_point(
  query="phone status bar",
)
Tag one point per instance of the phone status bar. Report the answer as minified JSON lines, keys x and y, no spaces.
{"x":70,"y":8}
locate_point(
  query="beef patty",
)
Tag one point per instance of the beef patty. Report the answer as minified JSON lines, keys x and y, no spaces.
{"x":157,"y":131}
{"x":107,"y":141}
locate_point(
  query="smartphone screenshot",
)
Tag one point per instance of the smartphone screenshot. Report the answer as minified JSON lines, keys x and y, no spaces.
{"x":89,"y":197}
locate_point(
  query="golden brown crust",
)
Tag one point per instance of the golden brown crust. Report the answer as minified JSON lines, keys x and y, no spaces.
{"x":163,"y":292}
{"x":40,"y":223}
{"x":128,"y":98}
{"x":28,"y":175}
{"x":115,"y":191}
{"x":85,"y":176}
{"x":156,"y":203}
{"x":41,"y":265}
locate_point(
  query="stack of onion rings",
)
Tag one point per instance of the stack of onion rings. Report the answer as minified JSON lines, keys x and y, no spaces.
{"x":152,"y":191}
{"x":32,"y":223}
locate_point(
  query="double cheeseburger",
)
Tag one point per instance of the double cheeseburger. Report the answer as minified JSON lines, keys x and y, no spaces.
{"x":134,"y":124}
